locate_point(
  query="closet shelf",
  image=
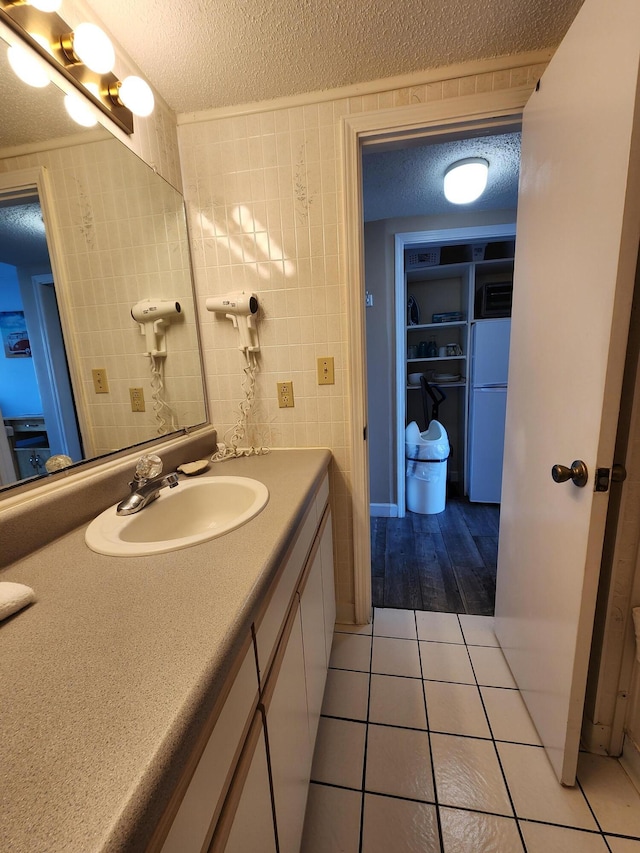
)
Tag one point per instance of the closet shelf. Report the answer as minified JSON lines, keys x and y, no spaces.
{"x":438,"y":358}
{"x":456,"y":324}
{"x":459,"y":384}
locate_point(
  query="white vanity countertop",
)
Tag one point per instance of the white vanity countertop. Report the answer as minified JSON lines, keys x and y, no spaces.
{"x":108,"y":678}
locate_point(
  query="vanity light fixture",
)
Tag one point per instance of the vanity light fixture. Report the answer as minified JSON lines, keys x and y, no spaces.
{"x":42,"y":5}
{"x":88,"y":45}
{"x":78,"y":109}
{"x":84,"y":57}
{"x":465,"y":180}
{"x":135,"y":94}
{"x":28,"y":67}
{"x":46,"y":5}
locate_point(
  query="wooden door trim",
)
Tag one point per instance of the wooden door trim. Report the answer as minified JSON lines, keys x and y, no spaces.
{"x":488,"y":110}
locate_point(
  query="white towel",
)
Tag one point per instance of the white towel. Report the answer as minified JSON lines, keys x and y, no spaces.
{"x":13,"y":597}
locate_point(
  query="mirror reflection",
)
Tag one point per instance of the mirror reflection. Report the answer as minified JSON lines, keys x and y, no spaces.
{"x":87,"y":232}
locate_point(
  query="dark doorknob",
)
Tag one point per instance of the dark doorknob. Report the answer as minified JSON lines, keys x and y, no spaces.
{"x":578,"y":473}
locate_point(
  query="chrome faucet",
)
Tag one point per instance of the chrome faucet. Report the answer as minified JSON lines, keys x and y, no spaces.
{"x":146,"y":484}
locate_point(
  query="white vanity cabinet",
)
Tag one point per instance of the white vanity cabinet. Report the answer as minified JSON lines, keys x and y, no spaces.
{"x":246,"y":822}
{"x":247,"y":789}
{"x":199,"y":809}
{"x":295,"y":687}
{"x":285,"y":702}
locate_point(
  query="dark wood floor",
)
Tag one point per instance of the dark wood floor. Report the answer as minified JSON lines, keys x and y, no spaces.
{"x":444,"y":562}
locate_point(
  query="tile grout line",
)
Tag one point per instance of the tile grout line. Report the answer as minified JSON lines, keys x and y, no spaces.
{"x":493,"y":740}
{"x":366,"y":738}
{"x":434,"y":731}
{"x":592,"y":810}
{"x":433,"y":769}
{"x":598,"y":831}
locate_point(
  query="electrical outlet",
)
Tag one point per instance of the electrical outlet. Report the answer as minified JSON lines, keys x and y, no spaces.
{"x":325,"y":371}
{"x":100,"y":382}
{"x":137,"y":399}
{"x":285,"y":395}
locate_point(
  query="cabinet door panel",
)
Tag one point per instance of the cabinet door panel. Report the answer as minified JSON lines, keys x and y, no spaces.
{"x":274,"y":616}
{"x":288,"y":735}
{"x":203,"y":798}
{"x":250,"y":795}
{"x":328,"y":584}
{"x":313,"y":638}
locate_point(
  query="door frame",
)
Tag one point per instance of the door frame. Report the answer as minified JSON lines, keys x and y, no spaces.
{"x":60,"y":402}
{"x":37,"y":179}
{"x":473,"y":113}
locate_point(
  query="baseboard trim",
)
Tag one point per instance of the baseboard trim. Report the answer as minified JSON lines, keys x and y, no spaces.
{"x":595,"y":738}
{"x":383,"y":510}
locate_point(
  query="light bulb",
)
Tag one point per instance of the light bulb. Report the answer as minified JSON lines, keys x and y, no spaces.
{"x":93,"y":48}
{"x":27,"y":65}
{"x":79,"y":110}
{"x":465,"y":180}
{"x":136,"y":95}
{"x":46,"y":5}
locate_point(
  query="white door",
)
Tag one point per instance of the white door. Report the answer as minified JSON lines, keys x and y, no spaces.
{"x":578,"y":227}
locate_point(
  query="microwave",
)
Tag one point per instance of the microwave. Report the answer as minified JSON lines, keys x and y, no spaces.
{"x":494,"y":299}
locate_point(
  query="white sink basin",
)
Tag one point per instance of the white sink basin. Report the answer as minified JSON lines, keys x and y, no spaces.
{"x":192,"y":512}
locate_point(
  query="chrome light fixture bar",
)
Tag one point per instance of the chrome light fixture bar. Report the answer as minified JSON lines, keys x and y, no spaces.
{"x":40,"y":29}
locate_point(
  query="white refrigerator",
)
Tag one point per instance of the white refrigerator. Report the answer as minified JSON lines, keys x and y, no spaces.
{"x":487,"y":408}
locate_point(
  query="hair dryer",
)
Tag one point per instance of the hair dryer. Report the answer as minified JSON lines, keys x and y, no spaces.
{"x":240,"y":308}
{"x":153,"y":315}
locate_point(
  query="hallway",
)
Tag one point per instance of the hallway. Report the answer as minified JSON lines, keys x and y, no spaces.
{"x":425,"y":745}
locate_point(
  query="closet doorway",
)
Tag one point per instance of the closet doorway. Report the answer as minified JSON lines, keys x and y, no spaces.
{"x":444,"y":561}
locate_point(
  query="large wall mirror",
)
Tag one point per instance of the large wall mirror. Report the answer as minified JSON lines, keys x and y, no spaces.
{"x":87,"y":231}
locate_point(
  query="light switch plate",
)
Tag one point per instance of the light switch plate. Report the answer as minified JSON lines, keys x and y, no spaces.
{"x":100,"y":382}
{"x":325,"y":371}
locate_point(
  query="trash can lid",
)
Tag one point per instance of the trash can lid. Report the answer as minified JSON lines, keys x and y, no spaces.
{"x":435,"y":432}
{"x":433,"y":443}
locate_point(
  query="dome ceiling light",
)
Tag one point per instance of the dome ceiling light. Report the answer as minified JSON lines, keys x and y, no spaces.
{"x":85,"y":58}
{"x":465,"y":180}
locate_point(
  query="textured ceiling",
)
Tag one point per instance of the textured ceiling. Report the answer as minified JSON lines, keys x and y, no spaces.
{"x":22,"y":240}
{"x":201,"y":54}
{"x":408,"y":181}
{"x":29,"y":116}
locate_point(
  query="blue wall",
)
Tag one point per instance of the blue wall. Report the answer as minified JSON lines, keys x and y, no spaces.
{"x":19,"y":393}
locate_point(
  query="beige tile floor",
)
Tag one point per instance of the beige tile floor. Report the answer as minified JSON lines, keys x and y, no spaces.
{"x":425,"y":745}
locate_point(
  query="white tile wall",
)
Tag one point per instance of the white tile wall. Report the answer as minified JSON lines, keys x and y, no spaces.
{"x":121,"y":238}
{"x":265,"y":207}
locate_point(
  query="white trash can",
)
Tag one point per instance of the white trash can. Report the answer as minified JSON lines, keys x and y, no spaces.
{"x":427,"y":453}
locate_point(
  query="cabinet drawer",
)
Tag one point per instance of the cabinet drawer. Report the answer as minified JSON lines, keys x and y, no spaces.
{"x":322,"y":497}
{"x":202,"y":802}
{"x":269,"y":624}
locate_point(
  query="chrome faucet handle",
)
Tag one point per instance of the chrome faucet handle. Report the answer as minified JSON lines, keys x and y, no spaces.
{"x":147,"y":467}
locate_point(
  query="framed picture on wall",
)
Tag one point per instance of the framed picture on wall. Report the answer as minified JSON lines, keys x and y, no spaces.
{"x":15,"y":338}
